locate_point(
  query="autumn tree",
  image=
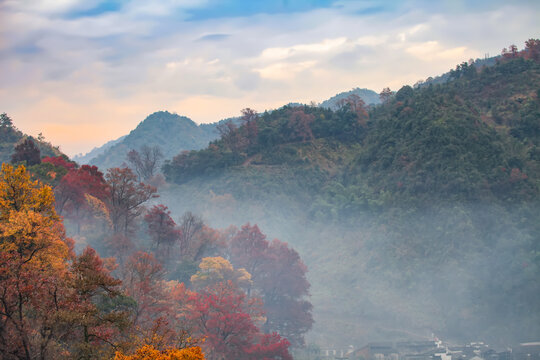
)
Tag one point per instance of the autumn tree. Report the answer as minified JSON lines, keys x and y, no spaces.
{"x":60,"y":161}
{"x":96,"y":319}
{"x":196,"y":241}
{"x":26,"y":151}
{"x":33,"y":265}
{"x":278,"y":276}
{"x":80,"y":192}
{"x":221,"y":316}
{"x":231,"y":136}
{"x":143,"y":281}
{"x":161,"y":227}
{"x":355,"y":104}
{"x":532,"y":49}
{"x":120,"y":246}
{"x":149,"y":352}
{"x":284,"y":289}
{"x":126,"y":198}
{"x":300,"y":125}
{"x":270,"y":346}
{"x":76,"y":183}
{"x":215,"y":270}
{"x":228,"y":320}
{"x":249,"y":121}
{"x":248,"y":249}
{"x":145,"y":162}
{"x":510,"y":53}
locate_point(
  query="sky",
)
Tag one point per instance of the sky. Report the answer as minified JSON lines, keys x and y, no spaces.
{"x":83,"y":72}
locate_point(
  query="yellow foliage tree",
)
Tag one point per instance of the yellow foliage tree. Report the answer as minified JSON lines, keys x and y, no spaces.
{"x":148,"y":352}
{"x":29,"y":226}
{"x":34,"y":254}
{"x":98,"y":209}
{"x":19,"y":193}
{"x":214,"y":270}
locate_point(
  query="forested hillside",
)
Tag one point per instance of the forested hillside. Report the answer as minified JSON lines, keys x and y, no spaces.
{"x":170,"y":132}
{"x":10,"y":137}
{"x":422,"y":213}
{"x":173,"y":133}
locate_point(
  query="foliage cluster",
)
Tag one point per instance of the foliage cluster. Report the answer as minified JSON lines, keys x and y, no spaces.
{"x":57,"y":304}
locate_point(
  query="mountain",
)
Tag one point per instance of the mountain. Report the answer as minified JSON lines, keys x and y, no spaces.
{"x":369,"y":97}
{"x":416,"y":216}
{"x":11,"y":136}
{"x":174,"y":133}
{"x":171,"y":132}
{"x":95,"y":152}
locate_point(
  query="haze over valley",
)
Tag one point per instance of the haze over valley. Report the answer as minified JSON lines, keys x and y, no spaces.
{"x":374,"y":195}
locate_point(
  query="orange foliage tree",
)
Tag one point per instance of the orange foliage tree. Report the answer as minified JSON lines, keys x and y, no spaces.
{"x":149,"y":352}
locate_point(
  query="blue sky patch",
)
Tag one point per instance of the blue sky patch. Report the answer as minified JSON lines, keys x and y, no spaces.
{"x":213,"y":37}
{"x":102,"y":8}
{"x":240,"y":8}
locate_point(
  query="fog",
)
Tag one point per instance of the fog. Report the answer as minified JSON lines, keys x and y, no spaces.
{"x":448,"y":271}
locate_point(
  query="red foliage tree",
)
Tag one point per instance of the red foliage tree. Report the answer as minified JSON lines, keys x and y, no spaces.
{"x":300,"y":124}
{"x":161,"y":227}
{"x":249,"y":120}
{"x":270,"y":347}
{"x":278,"y":276}
{"x":70,"y":193}
{"x":226,"y":318}
{"x":78,"y":182}
{"x":143,"y":281}
{"x":248,"y":249}
{"x":532,"y":49}
{"x":357,"y":106}
{"x":284,"y":288}
{"x":59,"y":161}
{"x":26,"y":151}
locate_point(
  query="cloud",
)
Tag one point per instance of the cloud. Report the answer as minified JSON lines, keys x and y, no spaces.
{"x":432,"y":50}
{"x":49,"y":7}
{"x":284,"y":71}
{"x":324,"y":46}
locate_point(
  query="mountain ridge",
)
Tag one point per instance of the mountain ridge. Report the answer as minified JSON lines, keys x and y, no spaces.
{"x":113,"y":152}
{"x":171,"y":132}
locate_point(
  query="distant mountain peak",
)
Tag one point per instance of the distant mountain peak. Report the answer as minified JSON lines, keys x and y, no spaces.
{"x":171,"y":132}
{"x":369,"y":97}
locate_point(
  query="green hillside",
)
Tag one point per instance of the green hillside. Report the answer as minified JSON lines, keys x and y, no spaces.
{"x":10,"y":136}
{"x":369,"y":97}
{"x":174,"y":133}
{"x":171,"y":132}
{"x":416,"y":216}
